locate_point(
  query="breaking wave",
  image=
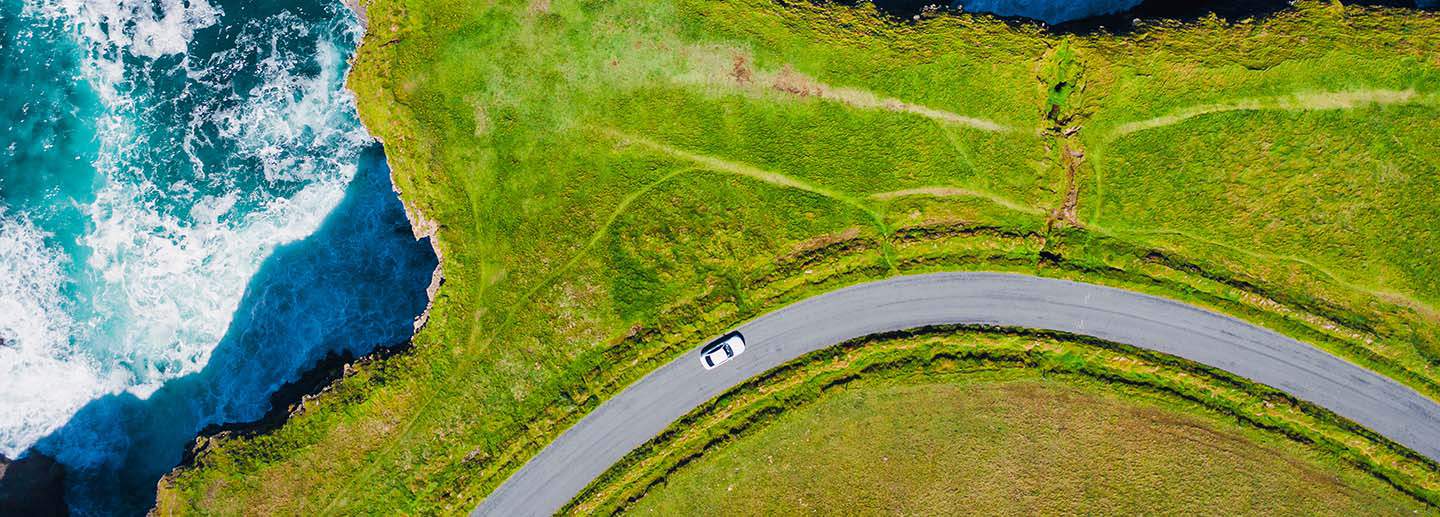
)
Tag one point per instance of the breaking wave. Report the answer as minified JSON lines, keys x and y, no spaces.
{"x":206,"y":162}
{"x":158,"y":155}
{"x":42,"y":380}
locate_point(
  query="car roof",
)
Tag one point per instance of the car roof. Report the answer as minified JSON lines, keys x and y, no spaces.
{"x":721,"y":341}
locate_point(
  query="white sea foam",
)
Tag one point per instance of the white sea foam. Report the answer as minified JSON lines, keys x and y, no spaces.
{"x":42,"y":382}
{"x":115,"y":28}
{"x":145,"y":28}
{"x":168,"y":286}
{"x":302,"y":120}
{"x":163,"y":283}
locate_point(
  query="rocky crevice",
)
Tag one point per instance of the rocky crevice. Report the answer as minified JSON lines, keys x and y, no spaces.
{"x":1067,"y":107}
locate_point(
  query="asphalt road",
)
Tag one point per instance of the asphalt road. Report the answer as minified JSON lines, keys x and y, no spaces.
{"x":644,"y":409}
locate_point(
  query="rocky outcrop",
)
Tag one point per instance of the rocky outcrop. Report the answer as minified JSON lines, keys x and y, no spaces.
{"x":289,"y":401}
{"x":32,"y":486}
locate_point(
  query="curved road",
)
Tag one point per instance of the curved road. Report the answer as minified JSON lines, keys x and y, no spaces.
{"x":646,"y":408}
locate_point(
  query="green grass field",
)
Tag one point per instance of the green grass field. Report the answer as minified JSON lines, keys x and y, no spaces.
{"x":1007,"y":447}
{"x":611,"y":182}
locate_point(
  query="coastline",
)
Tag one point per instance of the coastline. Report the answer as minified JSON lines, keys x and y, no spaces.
{"x":292,"y":399}
{"x":421,"y":227}
{"x":359,"y":10}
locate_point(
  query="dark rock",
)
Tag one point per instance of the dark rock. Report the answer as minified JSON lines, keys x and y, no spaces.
{"x":33,"y":486}
{"x":290,"y":400}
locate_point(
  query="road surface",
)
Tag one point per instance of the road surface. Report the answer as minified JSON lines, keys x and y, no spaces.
{"x":644,"y":409}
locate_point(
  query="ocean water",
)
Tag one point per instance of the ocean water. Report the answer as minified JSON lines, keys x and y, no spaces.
{"x":1049,"y":11}
{"x":190,"y":216}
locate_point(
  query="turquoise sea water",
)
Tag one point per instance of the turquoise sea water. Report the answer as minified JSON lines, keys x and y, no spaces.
{"x":190,"y":216}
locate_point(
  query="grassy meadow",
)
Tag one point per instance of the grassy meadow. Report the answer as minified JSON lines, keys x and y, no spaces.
{"x":1016,"y":446}
{"x":611,"y":182}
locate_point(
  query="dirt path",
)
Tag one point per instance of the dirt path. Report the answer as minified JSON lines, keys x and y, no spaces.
{"x":1071,"y":157}
{"x":739,"y":169}
{"x":948,"y":191}
{"x":709,"y":67}
{"x":869,"y":100}
{"x":1295,"y":102}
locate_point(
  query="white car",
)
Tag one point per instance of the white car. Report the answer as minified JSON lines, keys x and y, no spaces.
{"x":722,"y":350}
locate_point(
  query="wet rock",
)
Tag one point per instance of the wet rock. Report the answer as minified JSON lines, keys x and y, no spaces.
{"x":32,"y":486}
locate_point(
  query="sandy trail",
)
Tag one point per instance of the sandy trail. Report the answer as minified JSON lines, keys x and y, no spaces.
{"x":739,"y":169}
{"x":709,"y":65}
{"x":948,"y":191}
{"x":1295,"y":102}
